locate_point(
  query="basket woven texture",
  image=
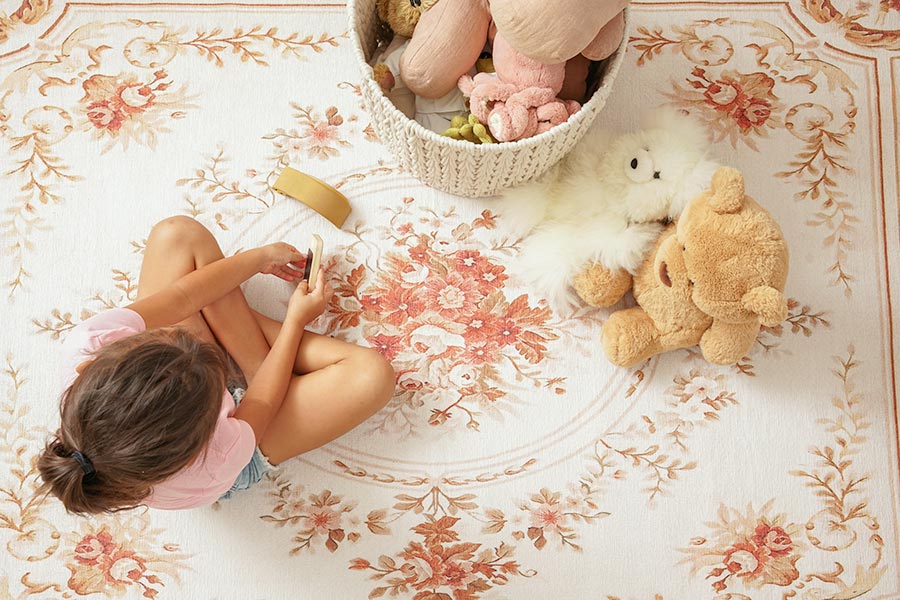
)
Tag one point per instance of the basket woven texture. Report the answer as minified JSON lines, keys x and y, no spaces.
{"x":458,"y":167}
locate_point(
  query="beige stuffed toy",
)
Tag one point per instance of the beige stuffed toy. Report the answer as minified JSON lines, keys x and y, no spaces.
{"x":713,"y":279}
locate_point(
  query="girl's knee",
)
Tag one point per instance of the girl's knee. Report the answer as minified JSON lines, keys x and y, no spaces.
{"x":377,"y":375}
{"x":178,"y":230}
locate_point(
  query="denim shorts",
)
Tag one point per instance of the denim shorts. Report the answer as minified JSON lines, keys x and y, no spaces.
{"x":255,"y":469}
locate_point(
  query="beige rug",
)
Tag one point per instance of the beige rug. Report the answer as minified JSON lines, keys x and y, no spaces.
{"x":514,"y":461}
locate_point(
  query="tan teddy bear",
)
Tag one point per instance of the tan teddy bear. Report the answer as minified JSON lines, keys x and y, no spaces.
{"x":738,"y":260}
{"x":713,"y":279}
{"x":665,"y":318}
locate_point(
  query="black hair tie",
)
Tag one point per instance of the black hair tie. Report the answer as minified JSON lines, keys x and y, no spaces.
{"x":85,"y":463}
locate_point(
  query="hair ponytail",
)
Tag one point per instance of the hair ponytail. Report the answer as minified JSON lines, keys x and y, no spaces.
{"x":65,"y":478}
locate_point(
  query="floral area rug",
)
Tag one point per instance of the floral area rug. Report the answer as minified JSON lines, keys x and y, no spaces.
{"x":513,"y":462}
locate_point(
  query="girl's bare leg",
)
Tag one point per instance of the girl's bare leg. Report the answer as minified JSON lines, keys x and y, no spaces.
{"x":179,"y":245}
{"x":338,"y":385}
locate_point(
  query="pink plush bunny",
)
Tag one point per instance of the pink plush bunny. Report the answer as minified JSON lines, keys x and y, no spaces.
{"x":521,"y":99}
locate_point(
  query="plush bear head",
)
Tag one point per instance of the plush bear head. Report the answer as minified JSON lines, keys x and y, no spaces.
{"x":665,"y":319}
{"x":653,"y":173}
{"x":403,"y":15}
{"x":735,"y":254}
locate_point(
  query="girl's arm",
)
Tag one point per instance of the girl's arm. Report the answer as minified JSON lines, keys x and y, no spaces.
{"x":207,"y":284}
{"x":268,"y":388}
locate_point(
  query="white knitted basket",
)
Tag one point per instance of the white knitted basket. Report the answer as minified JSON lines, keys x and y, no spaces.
{"x":458,"y":167}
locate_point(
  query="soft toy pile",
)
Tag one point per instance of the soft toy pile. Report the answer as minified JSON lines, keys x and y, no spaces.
{"x":436,"y":66}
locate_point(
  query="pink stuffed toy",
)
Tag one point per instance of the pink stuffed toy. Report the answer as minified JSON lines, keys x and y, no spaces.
{"x":520,"y":101}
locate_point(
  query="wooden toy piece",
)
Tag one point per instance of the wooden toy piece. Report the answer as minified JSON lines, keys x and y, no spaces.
{"x":316,"y":194}
{"x":313,"y":260}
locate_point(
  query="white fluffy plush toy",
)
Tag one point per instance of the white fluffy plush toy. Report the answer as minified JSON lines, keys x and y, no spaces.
{"x":605,"y":202}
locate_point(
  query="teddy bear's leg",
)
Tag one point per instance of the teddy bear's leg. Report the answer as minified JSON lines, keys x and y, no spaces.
{"x":599,"y":286}
{"x":629,"y":337}
{"x":727,"y":343}
{"x":572,"y":106}
{"x":510,"y":121}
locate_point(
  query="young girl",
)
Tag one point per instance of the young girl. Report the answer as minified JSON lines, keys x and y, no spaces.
{"x":146,"y":417}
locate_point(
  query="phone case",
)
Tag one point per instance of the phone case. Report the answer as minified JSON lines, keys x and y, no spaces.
{"x":313,"y":260}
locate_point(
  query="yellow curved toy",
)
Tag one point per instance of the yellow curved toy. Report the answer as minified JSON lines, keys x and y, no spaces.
{"x":314,"y":193}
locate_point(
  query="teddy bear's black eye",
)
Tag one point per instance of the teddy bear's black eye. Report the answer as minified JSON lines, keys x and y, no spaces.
{"x":656,"y":174}
{"x":634,"y":163}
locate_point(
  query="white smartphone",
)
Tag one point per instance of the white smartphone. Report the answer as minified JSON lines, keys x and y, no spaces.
{"x":313,"y":260}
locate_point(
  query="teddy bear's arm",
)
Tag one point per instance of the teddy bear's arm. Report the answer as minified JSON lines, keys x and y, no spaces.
{"x":630,"y":336}
{"x":599,"y":286}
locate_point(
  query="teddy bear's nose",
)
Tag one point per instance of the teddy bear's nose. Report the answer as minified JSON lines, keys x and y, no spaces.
{"x":415,"y":3}
{"x":655,"y":174}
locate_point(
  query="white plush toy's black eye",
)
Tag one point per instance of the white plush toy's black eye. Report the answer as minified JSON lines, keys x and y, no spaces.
{"x":639,"y":167}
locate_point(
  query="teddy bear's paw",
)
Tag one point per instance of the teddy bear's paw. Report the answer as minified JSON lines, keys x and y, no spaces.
{"x":629,"y":336}
{"x":727,"y":343}
{"x":384,"y":77}
{"x":602,"y":287}
{"x":500,"y":125}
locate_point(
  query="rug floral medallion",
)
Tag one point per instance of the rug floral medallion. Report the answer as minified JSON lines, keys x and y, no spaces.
{"x":513,"y":461}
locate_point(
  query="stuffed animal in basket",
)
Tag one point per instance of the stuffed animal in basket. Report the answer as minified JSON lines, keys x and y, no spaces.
{"x":605,"y":203}
{"x":402,"y":16}
{"x":520,"y":99}
{"x":435,"y":114}
{"x":554,"y":32}
{"x":451,"y":35}
{"x":713,"y":279}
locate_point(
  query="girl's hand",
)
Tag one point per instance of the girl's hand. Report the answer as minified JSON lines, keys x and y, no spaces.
{"x":305,"y":304}
{"x":282,"y":260}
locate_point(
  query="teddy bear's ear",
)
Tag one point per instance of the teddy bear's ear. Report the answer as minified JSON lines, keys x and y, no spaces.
{"x":768,"y":303}
{"x":728,"y":190}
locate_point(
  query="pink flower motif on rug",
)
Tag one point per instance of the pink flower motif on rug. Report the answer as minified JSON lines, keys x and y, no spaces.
{"x":131,"y":107}
{"x":442,"y":567}
{"x":112,"y":559}
{"x":754,"y":547}
{"x":746,"y":98}
{"x":435,"y":306}
{"x":112,"y":100}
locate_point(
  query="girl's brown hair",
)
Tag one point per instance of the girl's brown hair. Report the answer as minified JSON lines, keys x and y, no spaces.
{"x":143,"y":409}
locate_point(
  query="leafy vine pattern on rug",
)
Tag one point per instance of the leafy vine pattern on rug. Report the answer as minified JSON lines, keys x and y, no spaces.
{"x":755,"y":548}
{"x":852,"y":23}
{"x":442,"y":566}
{"x":314,"y":136}
{"x":318,"y":518}
{"x":746,"y":106}
{"x":120,"y":93}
